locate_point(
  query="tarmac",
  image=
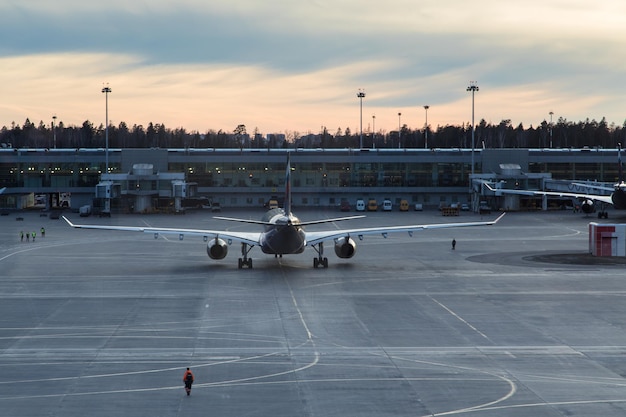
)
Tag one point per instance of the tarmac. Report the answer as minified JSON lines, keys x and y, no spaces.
{"x":514,"y":322}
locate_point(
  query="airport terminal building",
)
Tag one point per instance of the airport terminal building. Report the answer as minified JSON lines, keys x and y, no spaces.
{"x":149,"y":180}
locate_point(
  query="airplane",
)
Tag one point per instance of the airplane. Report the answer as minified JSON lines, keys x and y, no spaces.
{"x":617,"y":197}
{"x":2,"y":190}
{"x":284,"y":233}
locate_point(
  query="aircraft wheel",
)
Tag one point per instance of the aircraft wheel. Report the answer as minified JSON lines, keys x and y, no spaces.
{"x":315,"y":263}
{"x":325,"y":262}
{"x":240,"y":264}
{"x":250,"y":263}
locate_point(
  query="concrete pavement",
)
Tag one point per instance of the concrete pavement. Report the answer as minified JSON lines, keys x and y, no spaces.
{"x":104,"y":323}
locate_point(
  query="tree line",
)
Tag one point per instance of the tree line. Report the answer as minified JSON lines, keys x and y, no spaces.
{"x":561,"y":134}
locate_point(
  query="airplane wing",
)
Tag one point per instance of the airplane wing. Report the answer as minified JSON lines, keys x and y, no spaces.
{"x":595,"y":197}
{"x":250,"y":238}
{"x":2,"y":190}
{"x":314,"y":238}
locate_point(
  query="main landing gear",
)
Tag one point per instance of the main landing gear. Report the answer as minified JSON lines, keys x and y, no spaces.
{"x":603,"y":214}
{"x":245,"y":261}
{"x":320,"y":260}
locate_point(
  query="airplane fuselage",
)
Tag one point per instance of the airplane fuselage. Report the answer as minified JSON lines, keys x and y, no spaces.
{"x":284,"y":236}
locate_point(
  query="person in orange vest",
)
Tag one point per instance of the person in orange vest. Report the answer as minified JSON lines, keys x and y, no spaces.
{"x":188,"y":379}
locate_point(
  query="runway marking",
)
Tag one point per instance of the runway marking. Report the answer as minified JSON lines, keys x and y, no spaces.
{"x":509,"y":381}
{"x":461,"y":319}
{"x":530,"y":405}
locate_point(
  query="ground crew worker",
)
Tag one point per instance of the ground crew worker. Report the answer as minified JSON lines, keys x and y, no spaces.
{"x":188,"y":379}
{"x":34,"y":234}
{"x":43,"y":232}
{"x":453,"y":243}
{"x":22,"y":236}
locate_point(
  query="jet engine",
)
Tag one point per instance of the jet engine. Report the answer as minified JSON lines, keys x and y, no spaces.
{"x":587,"y":206}
{"x":345,"y":247}
{"x":217,"y":249}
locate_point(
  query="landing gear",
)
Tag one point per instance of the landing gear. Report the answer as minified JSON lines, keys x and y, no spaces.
{"x":320,"y":260}
{"x":245,"y":261}
{"x":603,"y":214}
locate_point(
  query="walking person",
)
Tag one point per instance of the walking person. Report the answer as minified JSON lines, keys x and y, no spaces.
{"x":188,"y":379}
{"x":22,"y":236}
{"x":43,"y":232}
{"x":34,"y":234}
{"x":453,"y":244}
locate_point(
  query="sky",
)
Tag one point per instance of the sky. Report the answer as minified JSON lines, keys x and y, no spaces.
{"x":297,"y":65}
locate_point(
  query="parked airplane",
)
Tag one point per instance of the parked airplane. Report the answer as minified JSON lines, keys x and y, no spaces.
{"x":284,"y":233}
{"x":617,"y":197}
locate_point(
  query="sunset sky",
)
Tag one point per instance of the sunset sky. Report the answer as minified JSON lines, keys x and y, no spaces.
{"x":297,"y":65}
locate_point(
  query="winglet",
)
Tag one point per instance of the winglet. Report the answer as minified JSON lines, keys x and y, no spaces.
{"x":619,"y":164}
{"x":68,"y":222}
{"x":498,"y":219}
{"x":287,"y":203}
{"x":489,"y":187}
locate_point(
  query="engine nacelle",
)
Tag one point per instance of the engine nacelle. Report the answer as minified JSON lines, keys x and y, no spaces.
{"x":345,"y":247}
{"x":587,"y":206}
{"x":217,"y":249}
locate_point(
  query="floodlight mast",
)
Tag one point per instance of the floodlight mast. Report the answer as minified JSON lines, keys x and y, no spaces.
{"x":426,"y":128}
{"x":54,"y":132}
{"x":399,"y":130}
{"x":473,"y":87}
{"x":106,"y":90}
{"x":361,"y":95}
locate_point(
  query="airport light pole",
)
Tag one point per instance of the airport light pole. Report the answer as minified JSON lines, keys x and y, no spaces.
{"x":361,"y":95}
{"x":426,"y":128}
{"x":551,"y":113}
{"x":106,"y":90}
{"x":399,"y":131}
{"x":54,"y":132}
{"x":373,"y":131}
{"x":473,"y":88}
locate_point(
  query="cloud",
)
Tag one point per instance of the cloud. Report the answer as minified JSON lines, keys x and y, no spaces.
{"x":280,"y":64}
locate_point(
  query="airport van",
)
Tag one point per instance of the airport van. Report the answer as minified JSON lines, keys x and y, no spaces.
{"x":360,"y":205}
{"x":387,"y":206}
{"x":272,"y":204}
{"x":372,"y":205}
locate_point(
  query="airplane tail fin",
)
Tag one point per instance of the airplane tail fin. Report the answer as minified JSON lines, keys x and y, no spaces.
{"x":287,"y":203}
{"x":620,"y":171}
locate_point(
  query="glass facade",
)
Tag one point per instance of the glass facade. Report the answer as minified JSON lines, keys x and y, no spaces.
{"x":326,"y":174}
{"x":247,"y":177}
